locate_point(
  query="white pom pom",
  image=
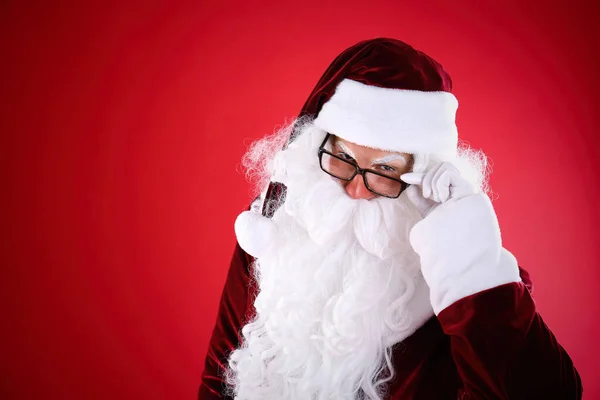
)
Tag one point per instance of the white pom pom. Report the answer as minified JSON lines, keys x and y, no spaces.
{"x":254,"y":232}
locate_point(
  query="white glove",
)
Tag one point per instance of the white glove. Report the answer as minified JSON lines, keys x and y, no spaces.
{"x":458,"y":240}
{"x":441,"y":183}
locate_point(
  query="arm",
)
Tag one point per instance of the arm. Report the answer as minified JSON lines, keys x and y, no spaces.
{"x":501,"y":347}
{"x":236,"y":300}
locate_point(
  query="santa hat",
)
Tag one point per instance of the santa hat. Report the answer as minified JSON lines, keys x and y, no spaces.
{"x":384,"y":94}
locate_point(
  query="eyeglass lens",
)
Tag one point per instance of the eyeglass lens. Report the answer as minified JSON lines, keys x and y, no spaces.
{"x":346,"y":170}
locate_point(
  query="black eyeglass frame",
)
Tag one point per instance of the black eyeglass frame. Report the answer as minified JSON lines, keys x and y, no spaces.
{"x":358,"y":171}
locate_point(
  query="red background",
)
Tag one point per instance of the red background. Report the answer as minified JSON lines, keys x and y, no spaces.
{"x":122,"y":127}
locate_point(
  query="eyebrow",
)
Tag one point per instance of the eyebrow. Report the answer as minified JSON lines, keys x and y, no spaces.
{"x":389,"y":158}
{"x":379,"y":161}
{"x":345,"y":149}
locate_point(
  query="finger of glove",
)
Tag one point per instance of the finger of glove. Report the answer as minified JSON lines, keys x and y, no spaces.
{"x":438,"y":188}
{"x":445,"y":178}
{"x":458,"y":185}
{"x":443,"y":185}
{"x":413,"y":178}
{"x":428,"y":181}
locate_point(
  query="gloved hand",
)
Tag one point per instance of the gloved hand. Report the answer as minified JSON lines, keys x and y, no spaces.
{"x":442,"y":183}
{"x":458,"y":240}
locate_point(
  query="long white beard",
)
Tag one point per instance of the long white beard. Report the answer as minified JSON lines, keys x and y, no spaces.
{"x":339,"y":286}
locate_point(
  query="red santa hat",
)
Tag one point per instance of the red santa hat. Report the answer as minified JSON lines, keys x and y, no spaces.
{"x":384,"y":94}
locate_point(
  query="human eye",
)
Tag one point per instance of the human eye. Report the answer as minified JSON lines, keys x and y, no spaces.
{"x":345,"y":156}
{"x":387,"y":168}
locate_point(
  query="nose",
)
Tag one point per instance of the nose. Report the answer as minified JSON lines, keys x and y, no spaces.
{"x":356,"y":189}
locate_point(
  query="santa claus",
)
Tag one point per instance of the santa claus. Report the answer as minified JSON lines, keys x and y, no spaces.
{"x":371,"y":265}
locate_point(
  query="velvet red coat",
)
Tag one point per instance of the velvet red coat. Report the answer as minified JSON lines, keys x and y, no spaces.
{"x":490,"y":345}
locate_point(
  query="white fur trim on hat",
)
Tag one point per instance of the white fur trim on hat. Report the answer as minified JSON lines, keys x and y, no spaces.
{"x":408,"y":121}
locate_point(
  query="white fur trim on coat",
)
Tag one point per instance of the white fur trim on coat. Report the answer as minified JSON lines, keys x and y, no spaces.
{"x":409,"y":121}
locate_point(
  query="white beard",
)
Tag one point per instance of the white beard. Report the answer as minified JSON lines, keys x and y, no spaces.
{"x":338,"y":286}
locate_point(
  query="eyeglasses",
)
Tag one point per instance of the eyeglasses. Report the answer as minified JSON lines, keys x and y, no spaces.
{"x":375,"y":182}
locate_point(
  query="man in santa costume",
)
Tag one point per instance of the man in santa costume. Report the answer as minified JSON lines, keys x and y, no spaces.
{"x":371,"y":265}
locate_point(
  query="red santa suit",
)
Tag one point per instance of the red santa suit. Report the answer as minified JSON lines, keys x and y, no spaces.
{"x":485,"y":339}
{"x":489,"y":345}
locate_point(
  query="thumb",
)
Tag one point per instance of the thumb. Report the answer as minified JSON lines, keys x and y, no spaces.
{"x":422,"y":204}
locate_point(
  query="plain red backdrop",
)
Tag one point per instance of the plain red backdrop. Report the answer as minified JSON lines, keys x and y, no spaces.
{"x":121,"y":131}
